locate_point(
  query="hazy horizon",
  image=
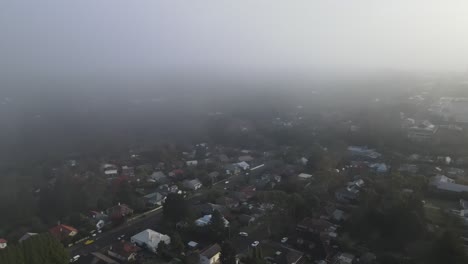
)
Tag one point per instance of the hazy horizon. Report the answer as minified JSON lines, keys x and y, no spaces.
{"x":56,"y":38}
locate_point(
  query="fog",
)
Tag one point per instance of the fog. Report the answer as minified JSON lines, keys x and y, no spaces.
{"x":78,"y":38}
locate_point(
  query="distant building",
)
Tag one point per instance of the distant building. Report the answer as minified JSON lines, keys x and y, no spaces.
{"x":444,"y":183}
{"x":150,"y":239}
{"x":191,"y":163}
{"x":128,"y":171}
{"x":363,"y":152}
{"x":304,"y":176}
{"x":422,"y":132}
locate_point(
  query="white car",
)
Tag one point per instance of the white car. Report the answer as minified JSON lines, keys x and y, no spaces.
{"x":255,"y":243}
{"x":244,"y":234}
{"x":284,"y":240}
{"x":226,"y":182}
{"x":75,"y":258}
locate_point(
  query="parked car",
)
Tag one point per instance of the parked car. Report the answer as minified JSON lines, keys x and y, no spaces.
{"x":284,"y":240}
{"x":75,"y":258}
{"x":244,"y":234}
{"x":255,"y":243}
{"x":89,"y":242}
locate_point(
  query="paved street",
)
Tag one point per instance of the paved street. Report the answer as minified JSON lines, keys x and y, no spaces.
{"x":128,"y":229}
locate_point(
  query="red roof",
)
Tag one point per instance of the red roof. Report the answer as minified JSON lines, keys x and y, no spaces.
{"x":178,"y":171}
{"x":62,"y":231}
{"x":2,"y":240}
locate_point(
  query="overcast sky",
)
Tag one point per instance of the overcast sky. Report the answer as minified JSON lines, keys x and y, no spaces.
{"x":92,"y":36}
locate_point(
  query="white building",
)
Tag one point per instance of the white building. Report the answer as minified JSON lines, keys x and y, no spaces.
{"x":3,"y":243}
{"x":304,"y":176}
{"x":150,"y":239}
{"x":205,"y":220}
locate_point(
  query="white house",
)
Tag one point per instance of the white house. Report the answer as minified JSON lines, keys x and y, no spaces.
{"x":244,"y":165}
{"x":205,"y":220}
{"x":150,"y":239}
{"x":192,"y":163}
{"x":192,"y":184}
{"x":304,"y":176}
{"x":3,"y":243}
{"x":210,"y":255}
{"x":111,"y":172}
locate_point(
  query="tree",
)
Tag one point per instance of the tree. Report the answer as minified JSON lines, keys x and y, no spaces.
{"x":448,"y":248}
{"x":217,"y":226}
{"x":176,"y":243}
{"x":175,"y":208}
{"x":192,"y":258}
{"x":40,"y":249}
{"x":228,"y":253}
{"x":162,"y":249}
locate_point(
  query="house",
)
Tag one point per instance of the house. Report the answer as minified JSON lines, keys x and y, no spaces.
{"x":444,"y":183}
{"x":422,"y":132}
{"x":62,"y":232}
{"x":3,"y":243}
{"x":213,"y":175}
{"x":232,"y":169}
{"x":124,"y":251}
{"x":154,"y":199}
{"x":304,"y":176}
{"x":150,"y":239}
{"x":363,"y":152}
{"x":243,"y":165}
{"x":246,"y":158}
{"x":205,"y":220}
{"x":379,"y":167}
{"x":119,"y":211}
{"x":193,"y":185}
{"x":455,"y":172}
{"x":347,"y":195}
{"x":210,"y":255}
{"x":284,"y":255}
{"x":166,"y":189}
{"x":191,"y":163}
{"x":316,"y":226}
{"x":343,"y":258}
{"x":159,"y":177}
{"x":97,"y":216}
{"x":111,"y":172}
{"x":26,"y":237}
{"x":128,"y":171}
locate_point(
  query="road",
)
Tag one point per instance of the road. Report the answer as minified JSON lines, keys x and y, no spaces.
{"x":128,"y":229}
{"x":149,"y":220}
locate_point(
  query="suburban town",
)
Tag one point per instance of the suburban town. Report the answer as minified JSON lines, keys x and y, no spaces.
{"x":233,"y":132}
{"x":309,"y":189}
